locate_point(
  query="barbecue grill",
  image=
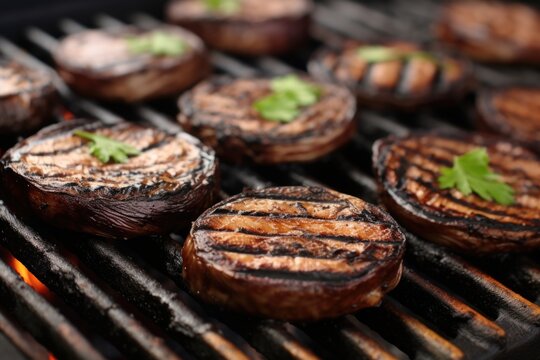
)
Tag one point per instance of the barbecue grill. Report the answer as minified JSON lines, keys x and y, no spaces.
{"x":121,"y":300}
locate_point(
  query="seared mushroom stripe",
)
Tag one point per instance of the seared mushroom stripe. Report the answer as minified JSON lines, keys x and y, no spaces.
{"x":395,"y":75}
{"x":52,"y":176}
{"x":293,"y":253}
{"x":409,"y":171}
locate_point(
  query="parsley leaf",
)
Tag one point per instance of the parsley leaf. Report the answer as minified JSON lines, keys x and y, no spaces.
{"x":471,"y":174}
{"x":303,"y":92}
{"x":278,"y":107}
{"x":106,"y":149}
{"x":289,"y":94}
{"x":158,"y":43}
{"x":376,"y":54}
{"x":224,"y":6}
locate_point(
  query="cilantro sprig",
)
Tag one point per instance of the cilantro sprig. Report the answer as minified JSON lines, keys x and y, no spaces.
{"x":471,"y":174}
{"x":224,"y":6}
{"x":157,"y":43}
{"x":378,"y":54}
{"x":106,"y":149}
{"x":289,"y":95}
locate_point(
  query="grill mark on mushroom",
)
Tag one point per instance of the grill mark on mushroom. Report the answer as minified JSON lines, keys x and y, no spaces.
{"x":408,"y":168}
{"x":403,"y":83}
{"x":292,"y":241}
{"x":53,"y":176}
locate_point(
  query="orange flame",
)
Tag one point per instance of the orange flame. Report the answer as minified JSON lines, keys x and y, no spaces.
{"x":28,"y":277}
{"x":52,"y":357}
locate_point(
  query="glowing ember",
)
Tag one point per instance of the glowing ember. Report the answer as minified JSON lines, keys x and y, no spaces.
{"x":67,"y":115}
{"x":28,"y":277}
{"x":51,"y":357}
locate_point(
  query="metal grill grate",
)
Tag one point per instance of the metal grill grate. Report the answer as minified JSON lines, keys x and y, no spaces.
{"x":128,"y":300}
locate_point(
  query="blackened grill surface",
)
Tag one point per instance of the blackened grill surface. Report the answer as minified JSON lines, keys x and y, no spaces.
{"x":481,"y":312}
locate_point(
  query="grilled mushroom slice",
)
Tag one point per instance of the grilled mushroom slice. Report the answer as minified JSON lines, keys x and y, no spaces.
{"x":408,"y":169}
{"x":220,"y":112}
{"x":52,"y":176}
{"x":512,"y":111}
{"x":411,"y":79}
{"x":28,"y":98}
{"x":117,"y":64}
{"x":293,"y":253}
{"x":492,"y":31}
{"x":253,"y":28}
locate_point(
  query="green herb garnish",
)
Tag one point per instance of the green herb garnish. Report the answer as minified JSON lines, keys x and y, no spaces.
{"x":289,"y":95}
{"x":158,"y":43}
{"x":376,"y":54}
{"x":471,"y":174}
{"x":224,"y":6}
{"x":106,"y":149}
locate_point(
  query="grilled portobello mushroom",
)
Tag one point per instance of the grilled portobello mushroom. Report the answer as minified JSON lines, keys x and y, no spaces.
{"x":408,"y":168}
{"x":110,"y":65}
{"x":293,"y":253}
{"x":491,"y":31}
{"x":52,"y":176}
{"x":411,"y":79}
{"x":220,"y":112}
{"x":28,"y":98}
{"x":512,"y":111}
{"x":255,"y":28}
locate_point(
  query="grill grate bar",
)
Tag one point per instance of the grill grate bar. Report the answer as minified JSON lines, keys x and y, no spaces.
{"x":44,"y":322}
{"x":271,"y":338}
{"x":21,"y":339}
{"x":521,"y":272}
{"x":483,"y":291}
{"x":58,"y":274}
{"x":409,"y":333}
{"x":353,"y":340}
{"x":447,"y":312}
{"x":171,"y":309}
{"x":376,"y":20}
{"x":277,"y":341}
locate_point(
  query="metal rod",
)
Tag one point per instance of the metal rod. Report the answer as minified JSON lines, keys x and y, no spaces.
{"x":44,"y":322}
{"x":21,"y":339}
{"x":68,"y":282}
{"x":171,"y":309}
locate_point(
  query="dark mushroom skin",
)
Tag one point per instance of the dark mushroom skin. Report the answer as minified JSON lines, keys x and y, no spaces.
{"x":220,"y":112}
{"x":28,"y":98}
{"x":491,"y":31}
{"x":257,"y":28}
{"x":52,"y":177}
{"x":405,"y":85}
{"x":99,"y":64}
{"x":407,"y":171}
{"x":513,"y":112}
{"x":293,"y":253}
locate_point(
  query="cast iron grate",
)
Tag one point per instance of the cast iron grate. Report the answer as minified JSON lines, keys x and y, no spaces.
{"x":120,"y":300}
